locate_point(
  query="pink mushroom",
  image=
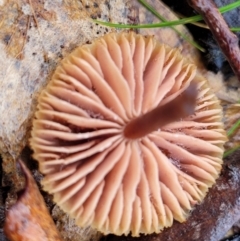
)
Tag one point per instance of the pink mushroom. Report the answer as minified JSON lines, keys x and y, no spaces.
{"x":125,"y":140}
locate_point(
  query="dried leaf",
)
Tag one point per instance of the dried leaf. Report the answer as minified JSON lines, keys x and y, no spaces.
{"x":29,"y":219}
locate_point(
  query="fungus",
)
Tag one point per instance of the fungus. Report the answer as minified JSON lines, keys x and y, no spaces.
{"x":128,"y":135}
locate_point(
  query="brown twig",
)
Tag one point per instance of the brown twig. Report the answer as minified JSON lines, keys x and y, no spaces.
{"x":227,"y":41}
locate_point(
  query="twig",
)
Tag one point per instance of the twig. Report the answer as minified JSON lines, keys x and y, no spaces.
{"x":227,"y":41}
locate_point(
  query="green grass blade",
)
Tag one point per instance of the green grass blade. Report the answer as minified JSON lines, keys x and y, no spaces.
{"x":196,"y":18}
{"x":233,"y":128}
{"x":235,"y":29}
{"x":150,"y":25}
{"x":228,"y":152}
{"x":229,"y":7}
{"x":155,"y":13}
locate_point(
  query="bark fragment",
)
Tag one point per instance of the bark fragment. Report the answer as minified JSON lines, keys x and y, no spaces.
{"x":227,"y":40}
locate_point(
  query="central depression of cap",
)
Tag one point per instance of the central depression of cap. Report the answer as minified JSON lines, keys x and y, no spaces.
{"x":103,"y":178}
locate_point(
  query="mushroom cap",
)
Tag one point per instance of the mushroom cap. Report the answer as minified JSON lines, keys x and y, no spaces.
{"x":98,"y":175}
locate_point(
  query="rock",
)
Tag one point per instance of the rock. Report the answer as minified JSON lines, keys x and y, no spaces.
{"x":34,"y":37}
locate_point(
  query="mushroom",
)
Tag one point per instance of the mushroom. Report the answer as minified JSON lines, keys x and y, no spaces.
{"x":128,"y":135}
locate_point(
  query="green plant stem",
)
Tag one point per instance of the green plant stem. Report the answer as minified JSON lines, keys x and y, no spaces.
{"x":169,"y":23}
{"x":233,"y":128}
{"x":235,"y":29}
{"x":155,"y":13}
{"x":230,"y":151}
{"x":229,"y":133}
